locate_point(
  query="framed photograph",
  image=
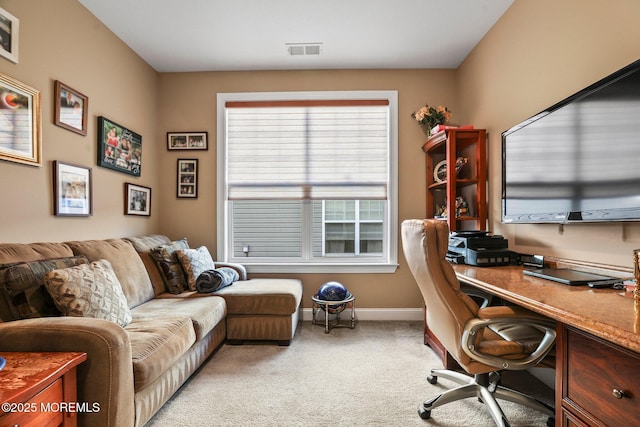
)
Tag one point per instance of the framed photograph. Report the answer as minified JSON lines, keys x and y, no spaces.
{"x":9,"y":26}
{"x":188,"y":178}
{"x":70,"y":108}
{"x":20,"y":131}
{"x":72,"y":190}
{"x":137,"y":200}
{"x":119,"y":148}
{"x":187,"y":141}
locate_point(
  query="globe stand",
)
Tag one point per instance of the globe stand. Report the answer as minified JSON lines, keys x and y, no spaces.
{"x":333,"y":307}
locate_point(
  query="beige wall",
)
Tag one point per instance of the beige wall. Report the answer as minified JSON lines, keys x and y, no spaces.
{"x":539,"y":53}
{"x":61,"y":40}
{"x":188,"y":103}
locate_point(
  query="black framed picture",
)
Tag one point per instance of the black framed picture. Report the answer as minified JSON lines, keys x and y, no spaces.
{"x":187,"y":178}
{"x":119,"y":148}
{"x":72,"y":190}
{"x":137,"y":200}
{"x":187,"y":141}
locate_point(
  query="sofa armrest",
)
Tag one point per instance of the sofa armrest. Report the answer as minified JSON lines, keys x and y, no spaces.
{"x":241,"y":269}
{"x":106,"y":377}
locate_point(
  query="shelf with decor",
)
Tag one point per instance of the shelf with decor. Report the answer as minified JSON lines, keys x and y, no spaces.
{"x":457,"y":178}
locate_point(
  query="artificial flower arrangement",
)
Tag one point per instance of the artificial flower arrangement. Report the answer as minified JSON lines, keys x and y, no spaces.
{"x":429,"y":116}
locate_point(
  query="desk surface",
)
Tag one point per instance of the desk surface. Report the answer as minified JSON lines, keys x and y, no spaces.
{"x":605,"y":313}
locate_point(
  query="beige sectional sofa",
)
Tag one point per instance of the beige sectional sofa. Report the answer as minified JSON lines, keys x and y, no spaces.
{"x":132,"y":370}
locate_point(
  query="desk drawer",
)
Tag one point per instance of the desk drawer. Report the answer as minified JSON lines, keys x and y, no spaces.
{"x":596,"y":370}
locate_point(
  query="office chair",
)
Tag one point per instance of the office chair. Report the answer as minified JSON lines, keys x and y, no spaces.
{"x":484,"y":341}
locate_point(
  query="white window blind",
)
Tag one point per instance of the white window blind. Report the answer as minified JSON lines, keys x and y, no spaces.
{"x":308,"y":150}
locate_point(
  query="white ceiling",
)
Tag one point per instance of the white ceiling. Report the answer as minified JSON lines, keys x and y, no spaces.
{"x":212,"y":35}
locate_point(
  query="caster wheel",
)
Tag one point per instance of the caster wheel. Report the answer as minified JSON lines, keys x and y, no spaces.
{"x":432,"y":379}
{"x":424,"y":414}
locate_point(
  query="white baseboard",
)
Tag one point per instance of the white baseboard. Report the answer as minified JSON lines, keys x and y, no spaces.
{"x":406,"y":314}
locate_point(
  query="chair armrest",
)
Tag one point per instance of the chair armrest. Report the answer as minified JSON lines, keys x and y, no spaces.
{"x":501,"y":317}
{"x":105,"y":378}
{"x":241,"y":269}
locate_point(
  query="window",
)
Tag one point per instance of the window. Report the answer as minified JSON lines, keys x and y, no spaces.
{"x":307,"y":181}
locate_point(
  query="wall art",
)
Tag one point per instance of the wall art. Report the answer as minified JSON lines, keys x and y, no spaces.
{"x":119,"y":148}
{"x":137,"y":200}
{"x":20,"y":128}
{"x":70,"y":108}
{"x":72,"y":189}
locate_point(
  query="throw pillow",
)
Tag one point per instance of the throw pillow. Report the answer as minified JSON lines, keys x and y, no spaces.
{"x":22,"y":287}
{"x":90,"y":290}
{"x":170,"y":268}
{"x":194,"y":262}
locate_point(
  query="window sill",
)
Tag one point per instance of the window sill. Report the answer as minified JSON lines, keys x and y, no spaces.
{"x":320,"y":268}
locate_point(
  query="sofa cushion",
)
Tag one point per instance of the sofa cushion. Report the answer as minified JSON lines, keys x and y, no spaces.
{"x":125,"y":261}
{"x":156,"y":345}
{"x":23,"y":291}
{"x":89,"y":290}
{"x":194,"y":262}
{"x":263,"y":296}
{"x":169,"y":265}
{"x":205,"y":312}
{"x":21,"y":252}
{"x":143,"y":245}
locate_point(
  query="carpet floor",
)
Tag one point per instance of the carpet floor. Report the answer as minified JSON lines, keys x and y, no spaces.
{"x":373,"y":375}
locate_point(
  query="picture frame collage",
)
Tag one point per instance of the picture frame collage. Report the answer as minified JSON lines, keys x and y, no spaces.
{"x":118,"y":147}
{"x":187,"y":169}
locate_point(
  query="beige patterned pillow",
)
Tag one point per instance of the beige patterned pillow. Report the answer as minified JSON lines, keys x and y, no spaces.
{"x":194,"y":262}
{"x":90,"y":290}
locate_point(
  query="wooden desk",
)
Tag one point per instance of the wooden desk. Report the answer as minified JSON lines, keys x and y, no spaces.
{"x":36,"y":389}
{"x":598,"y":343}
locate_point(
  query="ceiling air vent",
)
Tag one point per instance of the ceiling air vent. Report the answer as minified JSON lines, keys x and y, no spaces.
{"x":297,"y":49}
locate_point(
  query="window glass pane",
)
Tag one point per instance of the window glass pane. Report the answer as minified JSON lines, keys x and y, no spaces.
{"x":267,"y":228}
{"x":371,"y":238}
{"x":340,"y":210}
{"x":339,"y":238}
{"x":371,"y":210}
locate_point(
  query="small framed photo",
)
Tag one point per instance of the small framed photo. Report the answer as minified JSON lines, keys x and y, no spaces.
{"x":187,"y":178}
{"x":9,"y":26}
{"x":137,"y":200}
{"x":71,"y":108}
{"x":20,"y":130}
{"x":119,"y":148}
{"x":72,"y":190}
{"x":187,"y":141}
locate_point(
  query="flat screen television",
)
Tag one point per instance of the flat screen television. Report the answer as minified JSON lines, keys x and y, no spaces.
{"x":578,"y":160}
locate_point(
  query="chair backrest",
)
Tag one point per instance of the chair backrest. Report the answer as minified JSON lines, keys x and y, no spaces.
{"x":425,"y":244}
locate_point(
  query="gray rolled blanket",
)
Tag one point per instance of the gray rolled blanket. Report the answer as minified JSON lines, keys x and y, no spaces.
{"x":212,"y":280}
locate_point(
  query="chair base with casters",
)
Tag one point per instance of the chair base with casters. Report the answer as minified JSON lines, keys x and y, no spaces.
{"x":486,"y":387}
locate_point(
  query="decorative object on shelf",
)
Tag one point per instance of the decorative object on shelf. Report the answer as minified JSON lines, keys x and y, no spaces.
{"x":187,"y":178}
{"x":137,"y":200}
{"x":440,"y":171}
{"x":19,"y":122}
{"x":119,"y":148}
{"x":71,"y":108}
{"x":462,"y":207}
{"x":9,"y":36}
{"x":187,"y":141}
{"x":428,"y":117}
{"x":72,"y":190}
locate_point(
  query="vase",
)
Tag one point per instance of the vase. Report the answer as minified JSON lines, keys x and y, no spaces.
{"x":426,"y":129}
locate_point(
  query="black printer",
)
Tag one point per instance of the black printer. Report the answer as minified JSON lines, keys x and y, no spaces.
{"x":478,"y":248}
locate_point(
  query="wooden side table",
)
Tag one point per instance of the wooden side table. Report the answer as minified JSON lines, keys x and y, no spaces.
{"x":38,"y":389}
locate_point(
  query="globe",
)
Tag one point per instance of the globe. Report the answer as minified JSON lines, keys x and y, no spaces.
{"x":333,"y":291}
